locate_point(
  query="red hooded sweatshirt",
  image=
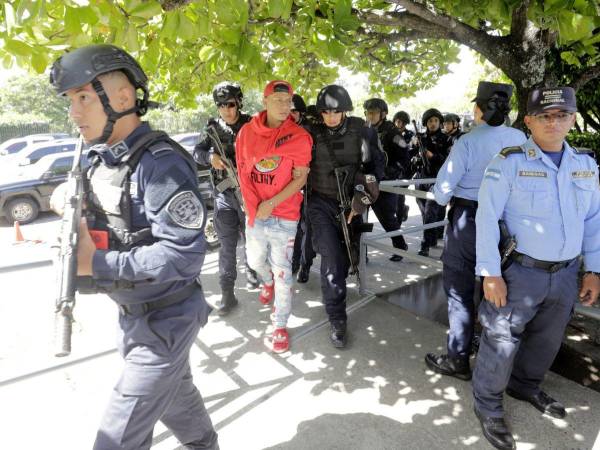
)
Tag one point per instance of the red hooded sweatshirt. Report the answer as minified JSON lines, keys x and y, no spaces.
{"x":265,"y":159}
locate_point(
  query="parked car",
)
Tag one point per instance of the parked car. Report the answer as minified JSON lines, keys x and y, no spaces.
{"x":187,"y":140}
{"x":15,"y":145}
{"x":25,"y":193}
{"x":33,"y":153}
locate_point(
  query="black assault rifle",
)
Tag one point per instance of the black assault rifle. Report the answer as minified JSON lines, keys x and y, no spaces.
{"x":231,"y":178}
{"x":341,"y":177}
{"x":422,"y":150}
{"x":67,"y":256}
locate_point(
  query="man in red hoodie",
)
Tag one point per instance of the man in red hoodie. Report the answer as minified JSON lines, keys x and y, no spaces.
{"x":273,"y":155}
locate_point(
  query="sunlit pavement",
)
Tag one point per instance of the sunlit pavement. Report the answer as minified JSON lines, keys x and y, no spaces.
{"x":376,"y":394}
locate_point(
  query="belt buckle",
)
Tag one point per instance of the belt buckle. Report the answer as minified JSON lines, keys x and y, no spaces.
{"x":555,"y":267}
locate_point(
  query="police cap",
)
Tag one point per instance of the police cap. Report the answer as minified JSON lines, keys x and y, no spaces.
{"x":542,"y":99}
{"x":487,"y":89}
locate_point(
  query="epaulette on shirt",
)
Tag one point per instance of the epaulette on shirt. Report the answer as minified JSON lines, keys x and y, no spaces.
{"x":510,"y":150}
{"x":583,"y":150}
{"x":160,"y":149}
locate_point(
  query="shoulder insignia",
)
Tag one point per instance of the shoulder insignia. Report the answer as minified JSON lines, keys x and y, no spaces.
{"x":583,"y":150}
{"x":186,"y":210}
{"x":510,"y":150}
{"x":160,"y":149}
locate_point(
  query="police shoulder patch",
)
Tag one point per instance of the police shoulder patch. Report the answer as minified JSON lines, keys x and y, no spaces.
{"x":510,"y":151}
{"x":186,"y":210}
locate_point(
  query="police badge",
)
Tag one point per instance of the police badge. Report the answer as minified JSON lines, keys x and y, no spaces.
{"x":186,"y":210}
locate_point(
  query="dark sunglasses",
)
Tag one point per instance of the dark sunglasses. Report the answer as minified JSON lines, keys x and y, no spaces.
{"x":227,"y":105}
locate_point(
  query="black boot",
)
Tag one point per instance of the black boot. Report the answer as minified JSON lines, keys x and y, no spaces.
{"x":496,"y":432}
{"x":303,"y":274}
{"x":424,"y":249}
{"x":446,"y":365}
{"x":252,"y":278}
{"x":337,"y":333}
{"x":227,"y":301}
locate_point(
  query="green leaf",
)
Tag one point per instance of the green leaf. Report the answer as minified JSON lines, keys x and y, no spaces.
{"x":147,"y":9}
{"x":9,"y":17}
{"x":72,"y":24}
{"x":205,"y":53}
{"x":570,"y":58}
{"x":18,"y":48}
{"x":131,"y":39}
{"x":231,"y":36}
{"x":39,"y":62}
{"x":276,"y":8}
{"x":87,"y":15}
{"x":170,"y":25}
{"x":151,"y":55}
{"x":188,"y":30}
{"x":573,"y":27}
{"x":336,"y":50}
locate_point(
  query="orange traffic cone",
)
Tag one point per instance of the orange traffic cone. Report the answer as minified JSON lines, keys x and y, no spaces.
{"x":18,"y":234}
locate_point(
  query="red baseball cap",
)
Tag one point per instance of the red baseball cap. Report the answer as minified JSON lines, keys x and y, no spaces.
{"x":278,"y":86}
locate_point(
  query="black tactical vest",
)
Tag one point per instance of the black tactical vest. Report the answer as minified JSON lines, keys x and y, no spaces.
{"x":346,"y":144}
{"x":109,"y":193}
{"x":227,"y":135}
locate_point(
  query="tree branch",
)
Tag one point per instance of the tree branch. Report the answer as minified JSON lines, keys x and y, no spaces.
{"x":586,"y":76}
{"x":519,"y":21}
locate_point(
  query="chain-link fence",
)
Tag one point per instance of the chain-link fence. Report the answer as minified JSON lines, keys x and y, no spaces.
{"x":10,"y":130}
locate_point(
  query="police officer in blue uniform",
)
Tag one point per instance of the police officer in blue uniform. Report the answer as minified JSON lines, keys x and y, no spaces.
{"x":229,"y":217}
{"x":142,"y":194}
{"x":547,"y":193}
{"x":397,"y":167}
{"x":339,"y":141}
{"x":458,"y":183}
{"x":434,"y":146}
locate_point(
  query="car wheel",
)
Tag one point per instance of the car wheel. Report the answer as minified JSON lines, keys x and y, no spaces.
{"x":22,"y":209}
{"x":211,"y":234}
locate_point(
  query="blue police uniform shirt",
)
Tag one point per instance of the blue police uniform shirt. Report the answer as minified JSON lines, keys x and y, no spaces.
{"x":161,"y":179}
{"x":554,"y":213}
{"x":463,"y":170}
{"x":556,"y":157}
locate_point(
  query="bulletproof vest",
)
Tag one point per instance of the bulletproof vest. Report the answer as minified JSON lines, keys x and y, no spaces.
{"x":227,"y":135}
{"x":109,"y":199}
{"x":345,"y":144}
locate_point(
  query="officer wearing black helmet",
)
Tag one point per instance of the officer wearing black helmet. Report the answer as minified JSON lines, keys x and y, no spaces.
{"x":401,"y":120}
{"x":304,"y":253}
{"x":229,"y":217}
{"x":341,"y":144}
{"x":142,"y":197}
{"x":398,"y":166}
{"x":434,"y":147}
{"x":452,"y":127}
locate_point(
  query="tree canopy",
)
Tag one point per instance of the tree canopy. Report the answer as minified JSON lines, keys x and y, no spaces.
{"x":187,"y":46}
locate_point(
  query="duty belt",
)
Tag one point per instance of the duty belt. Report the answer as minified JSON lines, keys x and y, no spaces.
{"x":171,"y":299}
{"x":548,"y":266}
{"x":458,"y":201}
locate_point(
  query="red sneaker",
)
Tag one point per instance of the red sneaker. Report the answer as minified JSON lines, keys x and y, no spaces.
{"x":280,"y":342}
{"x":267,"y":293}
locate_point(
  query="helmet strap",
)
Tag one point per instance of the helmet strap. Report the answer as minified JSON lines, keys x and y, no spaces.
{"x":111,"y":115}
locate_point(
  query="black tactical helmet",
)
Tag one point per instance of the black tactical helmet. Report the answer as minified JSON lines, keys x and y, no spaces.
{"x":376,"y":103}
{"x":334,"y":97}
{"x":83,"y":65}
{"x":227,"y":90}
{"x":451,"y":117}
{"x":403,"y":116}
{"x":432,"y":112}
{"x":298,"y":103}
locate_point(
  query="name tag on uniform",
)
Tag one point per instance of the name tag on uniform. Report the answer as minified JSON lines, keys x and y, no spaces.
{"x":583,"y":174}
{"x":532,"y":173}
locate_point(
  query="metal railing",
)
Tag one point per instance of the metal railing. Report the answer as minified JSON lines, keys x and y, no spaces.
{"x":401,"y":187}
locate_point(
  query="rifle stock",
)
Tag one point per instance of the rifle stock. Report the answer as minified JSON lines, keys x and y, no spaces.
{"x":67,"y":257}
{"x":231,"y":181}
{"x":344,"y":205}
{"x":422,"y":154}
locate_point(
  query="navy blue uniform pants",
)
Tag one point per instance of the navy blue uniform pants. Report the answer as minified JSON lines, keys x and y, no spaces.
{"x":431,"y":212}
{"x":304,"y":252}
{"x":386,"y":210}
{"x":156,"y":383}
{"x":329,"y":243}
{"x":521,"y":340}
{"x":229,"y":224}
{"x":459,"y":279}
